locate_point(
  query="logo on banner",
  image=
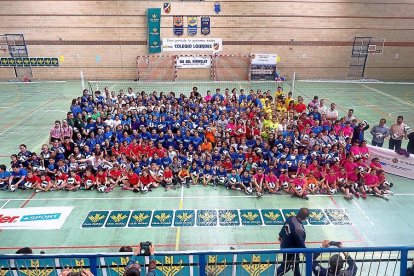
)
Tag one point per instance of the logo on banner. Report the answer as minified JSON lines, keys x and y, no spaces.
{"x":250,"y":217}
{"x":167,"y":7}
{"x":95,"y":219}
{"x":140,"y":219}
{"x":118,"y":219}
{"x":217,"y":7}
{"x":184,"y":218}
{"x":192,"y":25}
{"x":205,"y":25}
{"x":178,"y":25}
{"x":229,"y":218}
{"x":162,"y":218}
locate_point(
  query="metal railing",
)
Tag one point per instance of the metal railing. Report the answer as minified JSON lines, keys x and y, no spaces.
{"x":369,"y":261}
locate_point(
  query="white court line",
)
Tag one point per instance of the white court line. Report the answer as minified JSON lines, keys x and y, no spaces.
{"x":363,"y":212}
{"x":387,"y":95}
{"x":175,"y":197}
{"x":2,"y":206}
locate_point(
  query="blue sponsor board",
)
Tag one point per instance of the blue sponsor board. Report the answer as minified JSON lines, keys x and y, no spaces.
{"x":229,"y":218}
{"x":272,"y":217}
{"x":162,"y":218}
{"x":291,"y":213}
{"x":118,"y":219}
{"x":95,"y":219}
{"x":184,"y":218}
{"x":338,"y":216}
{"x":250,"y":217}
{"x":317,"y":217}
{"x":206,"y":217}
{"x":140,"y":219}
{"x":41,"y":217}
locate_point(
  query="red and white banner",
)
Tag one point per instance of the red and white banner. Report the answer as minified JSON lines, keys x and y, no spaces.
{"x":36,"y":218}
{"x":394,"y":163}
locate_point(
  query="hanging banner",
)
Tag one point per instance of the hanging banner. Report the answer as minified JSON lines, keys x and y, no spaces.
{"x":392,"y":162}
{"x":29,"y":62}
{"x":167,"y":7}
{"x":178,"y":25}
{"x":192,"y":25}
{"x":36,"y":218}
{"x":268,"y":59}
{"x":193,"y":62}
{"x":192,"y":44}
{"x":205,"y":25}
{"x":154,"y":25}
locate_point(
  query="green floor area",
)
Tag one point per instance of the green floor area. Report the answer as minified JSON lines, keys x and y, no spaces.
{"x":29,"y":110}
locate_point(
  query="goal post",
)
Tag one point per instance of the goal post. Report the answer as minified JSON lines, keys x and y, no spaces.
{"x":193,"y":67}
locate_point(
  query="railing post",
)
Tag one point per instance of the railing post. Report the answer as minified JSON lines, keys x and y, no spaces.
{"x":404,"y":261}
{"x":93,"y":263}
{"x":202,"y":264}
{"x":308,"y":264}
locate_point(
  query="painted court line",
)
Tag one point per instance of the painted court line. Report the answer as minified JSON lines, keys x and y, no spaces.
{"x":362,"y":212}
{"x":387,"y":95}
{"x":178,"y":233}
{"x":176,"y":197}
{"x":2,"y":206}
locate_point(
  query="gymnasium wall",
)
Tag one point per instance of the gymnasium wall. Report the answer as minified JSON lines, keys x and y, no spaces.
{"x":312,"y":37}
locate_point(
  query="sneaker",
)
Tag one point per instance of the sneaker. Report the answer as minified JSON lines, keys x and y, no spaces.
{"x":188,"y":185}
{"x":305,"y":197}
{"x":124,"y":188}
{"x":357,"y":195}
{"x":278,"y":192}
{"x":259,"y":194}
{"x":364,"y":195}
{"x":389,"y":192}
{"x":38,"y":191}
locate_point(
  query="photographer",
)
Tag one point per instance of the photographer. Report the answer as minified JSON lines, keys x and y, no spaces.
{"x":336,"y":263}
{"x":133,"y":268}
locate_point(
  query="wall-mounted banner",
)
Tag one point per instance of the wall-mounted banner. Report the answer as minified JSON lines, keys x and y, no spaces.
{"x":192,"y":25}
{"x":167,"y":7}
{"x":29,"y":62}
{"x":392,"y":162}
{"x":178,"y":25}
{"x":154,"y":26}
{"x":36,"y":218}
{"x":264,"y":59}
{"x":192,"y":44}
{"x":205,"y":25}
{"x":193,"y":62}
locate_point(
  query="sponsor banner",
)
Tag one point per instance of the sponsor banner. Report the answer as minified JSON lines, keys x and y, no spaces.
{"x":192,"y":22}
{"x":250,"y":217}
{"x":229,"y":218}
{"x":264,"y":59}
{"x":192,"y":44}
{"x":193,"y":62}
{"x":162,"y":218}
{"x":117,"y":219}
{"x":38,"y":218}
{"x":207,"y":218}
{"x":257,"y":264}
{"x":317,"y":217}
{"x":184,"y":218}
{"x":154,"y":27}
{"x":272,"y":217}
{"x":191,"y":218}
{"x":338,"y":216}
{"x":392,"y":162}
{"x":205,"y":25}
{"x":178,"y":25}
{"x":140,"y":219}
{"x":95,"y":219}
{"x":29,"y":62}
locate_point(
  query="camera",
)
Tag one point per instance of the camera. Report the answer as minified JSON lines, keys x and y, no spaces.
{"x":145,"y":248}
{"x":335,"y":243}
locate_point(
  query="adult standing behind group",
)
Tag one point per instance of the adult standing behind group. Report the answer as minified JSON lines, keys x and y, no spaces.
{"x":398,"y":132}
{"x":379,"y":133}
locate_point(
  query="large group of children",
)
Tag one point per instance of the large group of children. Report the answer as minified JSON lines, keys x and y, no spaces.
{"x":255,"y":142}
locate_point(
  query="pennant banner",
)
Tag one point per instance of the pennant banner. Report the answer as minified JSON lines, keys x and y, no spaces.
{"x":167,"y":7}
{"x":154,"y":26}
{"x":192,"y":25}
{"x":205,"y":25}
{"x":178,"y":25}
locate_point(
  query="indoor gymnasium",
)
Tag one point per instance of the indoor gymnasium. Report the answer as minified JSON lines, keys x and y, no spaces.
{"x":206,"y":137}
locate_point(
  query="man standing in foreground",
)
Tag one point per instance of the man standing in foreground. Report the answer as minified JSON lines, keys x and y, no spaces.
{"x":292,"y":235}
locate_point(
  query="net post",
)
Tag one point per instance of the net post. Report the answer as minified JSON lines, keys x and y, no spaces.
{"x":403,"y":261}
{"x":292,"y":86}
{"x":202,"y":264}
{"x":82,"y":80}
{"x":93,"y":265}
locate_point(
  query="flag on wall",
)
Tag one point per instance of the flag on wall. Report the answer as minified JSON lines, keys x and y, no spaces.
{"x":178,"y":25}
{"x":167,"y":7}
{"x":205,"y":25}
{"x":154,"y":26}
{"x":192,"y":25}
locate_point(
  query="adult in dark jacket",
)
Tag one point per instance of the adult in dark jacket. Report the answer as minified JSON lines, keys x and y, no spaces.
{"x":359,"y":131}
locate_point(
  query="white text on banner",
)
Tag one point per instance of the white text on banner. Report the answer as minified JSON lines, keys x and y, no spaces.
{"x":37,"y":218}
